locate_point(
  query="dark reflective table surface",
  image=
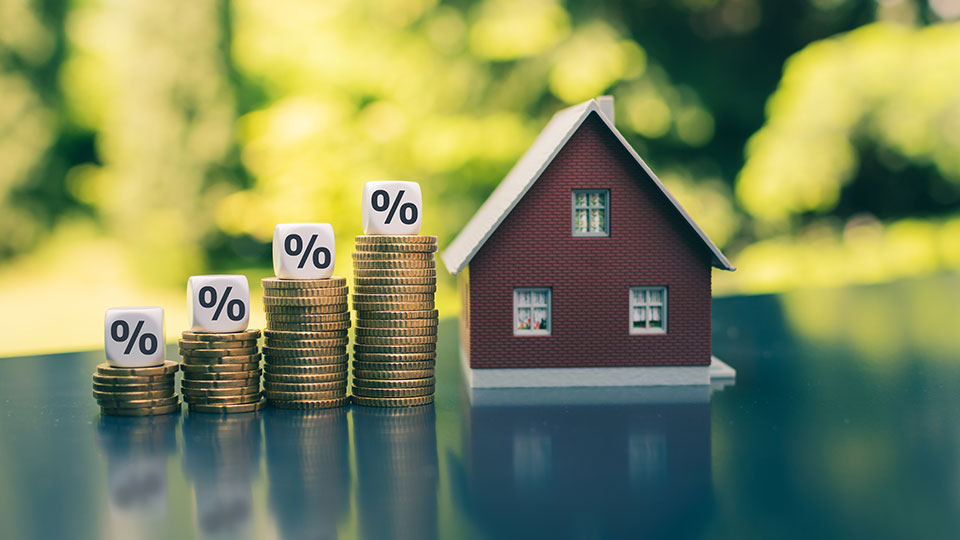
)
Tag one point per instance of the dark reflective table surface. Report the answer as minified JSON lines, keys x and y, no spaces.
{"x":844,"y":422}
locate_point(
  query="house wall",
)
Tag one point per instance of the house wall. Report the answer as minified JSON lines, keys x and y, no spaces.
{"x":649,"y":244}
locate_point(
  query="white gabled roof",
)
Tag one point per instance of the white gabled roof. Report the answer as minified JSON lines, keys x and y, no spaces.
{"x":528,"y":169}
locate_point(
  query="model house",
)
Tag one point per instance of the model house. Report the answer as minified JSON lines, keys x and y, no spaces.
{"x":581,"y":269}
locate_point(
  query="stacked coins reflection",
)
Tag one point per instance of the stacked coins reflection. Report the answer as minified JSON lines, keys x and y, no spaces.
{"x":136,"y":391}
{"x":396,"y":332}
{"x":221,"y":372}
{"x":305,"y":346}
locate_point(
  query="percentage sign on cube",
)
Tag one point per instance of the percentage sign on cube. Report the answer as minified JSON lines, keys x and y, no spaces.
{"x":391,"y":207}
{"x":304,"y":250}
{"x":133,"y":337}
{"x":218,"y":303}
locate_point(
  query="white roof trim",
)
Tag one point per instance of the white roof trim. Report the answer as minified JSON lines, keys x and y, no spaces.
{"x":528,"y":170}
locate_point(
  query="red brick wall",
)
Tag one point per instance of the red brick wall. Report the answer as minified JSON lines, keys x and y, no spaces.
{"x":649,"y":245}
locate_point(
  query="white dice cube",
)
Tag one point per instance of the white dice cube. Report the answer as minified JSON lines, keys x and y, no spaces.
{"x":391,"y":207}
{"x":133,"y":336}
{"x":218,"y":303}
{"x":304,"y":250}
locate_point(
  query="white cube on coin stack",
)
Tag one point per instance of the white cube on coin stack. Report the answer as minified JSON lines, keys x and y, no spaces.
{"x":221,"y":358}
{"x":135,"y":380}
{"x":305,"y":342}
{"x":395,"y":280}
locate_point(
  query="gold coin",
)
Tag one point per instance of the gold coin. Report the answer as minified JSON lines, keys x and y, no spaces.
{"x":251,"y":334}
{"x":391,"y":298}
{"x":130,"y":396}
{"x":277,"y":283}
{"x":305,"y":396}
{"x":189,"y":360}
{"x":364,"y":331}
{"x":304,"y":301}
{"x":395,"y":239}
{"x":342,"y":317}
{"x":214,"y":392}
{"x":216,"y":345}
{"x":147,"y":411}
{"x":404,"y":374}
{"x":228,"y":408}
{"x":307,"y":379}
{"x":288,"y":336}
{"x":245,"y":351}
{"x":392,"y":392}
{"x":305,"y":310}
{"x":221,"y":400}
{"x":307,"y":360}
{"x":393,"y":281}
{"x":313,"y":404}
{"x":392,"y":402}
{"x":320,"y":328}
{"x":393,"y":306}
{"x":193,"y":385}
{"x":395,"y":289}
{"x":428,"y":247}
{"x":228,"y":376}
{"x":304,"y":370}
{"x":131,"y":379}
{"x":165,"y":386}
{"x":399,"y":264}
{"x":190,"y":369}
{"x":303,"y":387}
{"x":395,"y":272}
{"x":424,"y":314}
{"x":394,"y":383}
{"x":168,"y":367}
{"x":394,"y":349}
{"x":390,"y":256}
{"x":396,"y":340}
{"x":307,"y":343}
{"x":393,"y":366}
{"x":274,"y":352}
{"x":394,"y":357}
{"x":137,"y":403}
{"x":303,"y":293}
{"x":398,"y":323}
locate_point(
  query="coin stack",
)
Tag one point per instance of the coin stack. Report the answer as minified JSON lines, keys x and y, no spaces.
{"x":221,"y":371}
{"x":305,"y":346}
{"x":136,"y":391}
{"x":396,"y":332}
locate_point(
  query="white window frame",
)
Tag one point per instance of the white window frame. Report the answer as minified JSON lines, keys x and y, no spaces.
{"x":517,"y":331}
{"x":574,"y":208}
{"x":647,"y":304}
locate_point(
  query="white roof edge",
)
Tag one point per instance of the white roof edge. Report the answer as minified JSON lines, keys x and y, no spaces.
{"x":527,"y":171}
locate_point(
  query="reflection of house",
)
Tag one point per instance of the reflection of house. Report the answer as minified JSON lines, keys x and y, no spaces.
{"x":582,"y":259}
{"x":554,"y":470}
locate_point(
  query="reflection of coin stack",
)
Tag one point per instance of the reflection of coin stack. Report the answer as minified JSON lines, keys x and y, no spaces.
{"x":221,"y":459}
{"x":396,"y":472}
{"x":396,"y":334}
{"x":305,"y":349}
{"x":136,"y":391}
{"x":221,"y":372}
{"x":308,"y":461}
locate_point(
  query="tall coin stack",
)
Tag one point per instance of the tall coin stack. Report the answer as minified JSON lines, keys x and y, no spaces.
{"x":396,"y":331}
{"x":136,"y":391}
{"x":305,"y":347}
{"x":221,"y":371}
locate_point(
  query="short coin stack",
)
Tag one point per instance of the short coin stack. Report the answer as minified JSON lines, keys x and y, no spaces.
{"x":221,"y":371}
{"x":396,"y":332}
{"x":136,"y":391}
{"x":305,"y":347}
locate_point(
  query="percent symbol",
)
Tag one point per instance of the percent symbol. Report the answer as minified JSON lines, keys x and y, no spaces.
{"x":235,"y":308}
{"x":147,"y":342}
{"x":293,"y":245}
{"x":380,"y":201}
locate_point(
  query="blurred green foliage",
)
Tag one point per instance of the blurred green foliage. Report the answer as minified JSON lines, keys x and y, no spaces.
{"x":811,"y":133}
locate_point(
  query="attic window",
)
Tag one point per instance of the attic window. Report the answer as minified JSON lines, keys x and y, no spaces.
{"x":591,"y":212}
